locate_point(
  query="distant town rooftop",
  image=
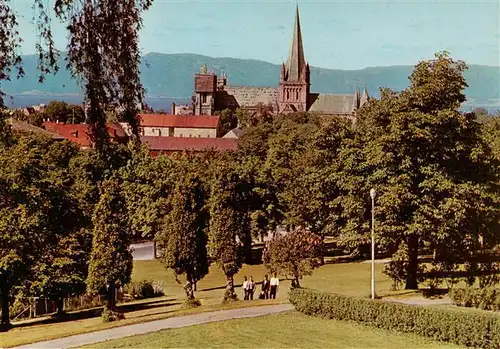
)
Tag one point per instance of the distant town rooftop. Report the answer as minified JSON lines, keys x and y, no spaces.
{"x":174,"y":144}
{"x":185,"y":121}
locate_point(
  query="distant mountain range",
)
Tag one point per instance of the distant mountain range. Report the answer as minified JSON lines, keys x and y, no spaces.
{"x":170,"y":76}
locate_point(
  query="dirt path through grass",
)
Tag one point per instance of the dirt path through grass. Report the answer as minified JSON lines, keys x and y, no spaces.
{"x":153,"y":326}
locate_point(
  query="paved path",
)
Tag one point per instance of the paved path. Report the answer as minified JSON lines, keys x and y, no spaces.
{"x":153,"y":326}
{"x":142,"y":251}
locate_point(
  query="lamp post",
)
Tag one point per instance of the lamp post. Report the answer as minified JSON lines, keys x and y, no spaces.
{"x":373,"y":193}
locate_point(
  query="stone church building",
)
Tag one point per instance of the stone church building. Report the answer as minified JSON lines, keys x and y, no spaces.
{"x":212,"y":93}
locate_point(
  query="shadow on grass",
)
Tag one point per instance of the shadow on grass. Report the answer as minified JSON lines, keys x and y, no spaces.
{"x":403,"y":293}
{"x":96,"y":312}
{"x":235,"y":286}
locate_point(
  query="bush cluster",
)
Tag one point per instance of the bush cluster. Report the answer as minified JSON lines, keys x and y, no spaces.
{"x":192,"y":303}
{"x":109,"y":315}
{"x":483,"y":298}
{"x":447,"y":325}
{"x":143,"y":289}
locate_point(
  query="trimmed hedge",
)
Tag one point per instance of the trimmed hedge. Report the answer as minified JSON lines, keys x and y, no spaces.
{"x":447,"y":325}
{"x":483,"y":298}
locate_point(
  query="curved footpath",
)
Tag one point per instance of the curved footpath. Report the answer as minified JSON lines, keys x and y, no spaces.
{"x":158,"y":325}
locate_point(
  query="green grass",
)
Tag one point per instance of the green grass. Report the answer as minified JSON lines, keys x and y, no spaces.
{"x":287,"y":330}
{"x":346,"y":278}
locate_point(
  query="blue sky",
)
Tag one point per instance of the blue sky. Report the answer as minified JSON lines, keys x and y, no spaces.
{"x":336,"y":34}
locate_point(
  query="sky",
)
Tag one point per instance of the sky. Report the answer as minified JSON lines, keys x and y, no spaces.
{"x":336,"y":34}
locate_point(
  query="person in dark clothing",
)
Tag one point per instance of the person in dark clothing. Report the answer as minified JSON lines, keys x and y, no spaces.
{"x":265,"y":287}
{"x":251,"y":288}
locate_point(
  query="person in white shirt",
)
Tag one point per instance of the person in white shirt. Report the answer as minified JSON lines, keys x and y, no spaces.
{"x":245,"y":287}
{"x":275,"y":284}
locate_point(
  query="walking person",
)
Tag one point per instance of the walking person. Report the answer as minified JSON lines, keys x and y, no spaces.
{"x":251,"y":288}
{"x":245,"y":288}
{"x":275,"y":284}
{"x":265,"y":287}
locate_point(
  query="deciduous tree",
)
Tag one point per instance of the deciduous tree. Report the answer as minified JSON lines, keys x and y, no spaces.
{"x":111,"y":258}
{"x":227,"y":122}
{"x":29,"y":211}
{"x":429,"y":165}
{"x":228,"y":219}
{"x":64,"y":112}
{"x":183,"y":237}
{"x":296,"y":254}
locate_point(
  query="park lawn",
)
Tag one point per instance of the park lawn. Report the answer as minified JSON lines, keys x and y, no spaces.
{"x":346,"y":278}
{"x":286,"y":330}
{"x":149,"y":310}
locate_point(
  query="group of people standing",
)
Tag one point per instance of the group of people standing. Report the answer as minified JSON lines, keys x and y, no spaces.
{"x":268,"y":290}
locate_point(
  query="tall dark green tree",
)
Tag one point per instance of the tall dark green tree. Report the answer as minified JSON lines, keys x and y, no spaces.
{"x":228,"y":220}
{"x":183,"y":237}
{"x":62,"y":268}
{"x":111,"y":257}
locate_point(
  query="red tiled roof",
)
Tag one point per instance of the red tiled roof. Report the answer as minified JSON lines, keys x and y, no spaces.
{"x":187,"y":121}
{"x":79,"y":133}
{"x":187,"y":143}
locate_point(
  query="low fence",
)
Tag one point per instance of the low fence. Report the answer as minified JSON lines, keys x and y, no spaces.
{"x":39,"y":306}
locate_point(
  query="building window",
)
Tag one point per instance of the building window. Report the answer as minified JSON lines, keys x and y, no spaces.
{"x":287,"y":94}
{"x":203,"y":98}
{"x":296,"y":95}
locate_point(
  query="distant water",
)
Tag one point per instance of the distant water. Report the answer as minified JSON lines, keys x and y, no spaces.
{"x":157,"y":103}
{"x":19,"y":101}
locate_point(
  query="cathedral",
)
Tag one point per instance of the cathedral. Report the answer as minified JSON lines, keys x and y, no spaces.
{"x":212,"y":93}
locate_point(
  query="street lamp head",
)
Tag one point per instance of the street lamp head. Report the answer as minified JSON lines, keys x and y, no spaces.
{"x":373,"y":193}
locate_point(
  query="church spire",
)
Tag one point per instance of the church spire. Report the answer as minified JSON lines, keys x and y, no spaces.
{"x":364,"y":97}
{"x":296,"y":62}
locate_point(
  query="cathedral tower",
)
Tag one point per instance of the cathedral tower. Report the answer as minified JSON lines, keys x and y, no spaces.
{"x":295,"y":75}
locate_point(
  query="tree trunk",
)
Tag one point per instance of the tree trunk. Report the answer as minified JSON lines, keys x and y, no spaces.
{"x":229,"y":294}
{"x":111,"y":301}
{"x":189,"y":286}
{"x":322,"y":252}
{"x":5,"y":321}
{"x":60,"y":306}
{"x":247,"y":248}
{"x":412,"y":269}
{"x":154,"y":250}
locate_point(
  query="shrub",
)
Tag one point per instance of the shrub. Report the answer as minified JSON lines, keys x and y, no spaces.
{"x":143,"y":289}
{"x":192,"y":303}
{"x":483,"y":298}
{"x":109,"y":315}
{"x":462,"y":328}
